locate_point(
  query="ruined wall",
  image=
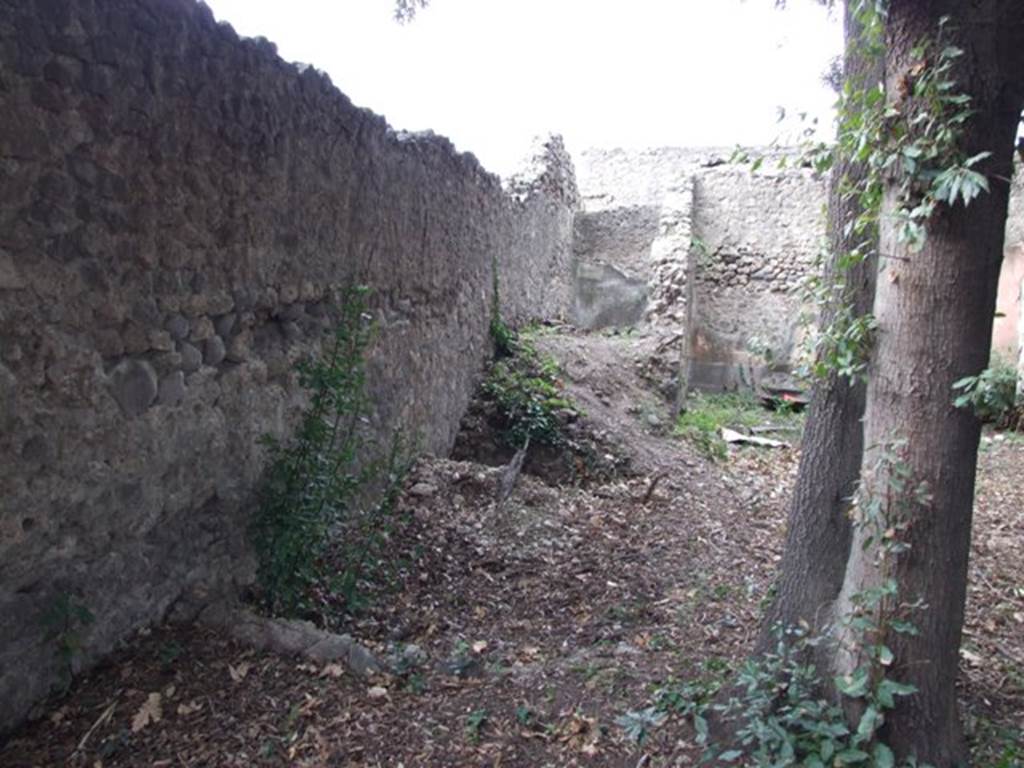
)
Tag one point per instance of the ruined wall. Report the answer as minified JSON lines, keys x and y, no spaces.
{"x":1008,"y":329}
{"x":178,"y":208}
{"x":750,"y":238}
{"x":758,"y":235}
{"x":535,"y":270}
{"x":633,"y":236}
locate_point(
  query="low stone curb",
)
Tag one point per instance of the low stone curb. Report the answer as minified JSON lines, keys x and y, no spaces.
{"x":299,"y":638}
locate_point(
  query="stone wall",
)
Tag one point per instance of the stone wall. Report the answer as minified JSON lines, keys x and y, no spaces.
{"x":757,"y":236}
{"x":1008,"y":330}
{"x":747,"y":239}
{"x":652,"y":217}
{"x":179,"y":209}
{"x":633,"y":236}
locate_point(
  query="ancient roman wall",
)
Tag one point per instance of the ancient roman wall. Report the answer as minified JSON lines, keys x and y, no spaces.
{"x":1008,"y":330}
{"x":749,"y":237}
{"x":633,"y":236}
{"x":179,"y":209}
{"x":756,"y":238}
{"x":659,"y":216}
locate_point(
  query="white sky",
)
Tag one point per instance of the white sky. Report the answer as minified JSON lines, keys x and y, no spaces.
{"x":490,"y":74}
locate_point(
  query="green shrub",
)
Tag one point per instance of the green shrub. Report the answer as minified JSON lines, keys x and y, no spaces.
{"x":779,"y":718}
{"x":312,"y":541}
{"x":529,"y":396}
{"x":504,"y":338}
{"x":992,"y":394}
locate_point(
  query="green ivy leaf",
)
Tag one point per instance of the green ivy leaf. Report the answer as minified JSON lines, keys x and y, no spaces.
{"x":885,"y":656}
{"x":854,"y":685}
{"x":888,"y":690}
{"x":883,"y":756}
{"x":851,"y":757}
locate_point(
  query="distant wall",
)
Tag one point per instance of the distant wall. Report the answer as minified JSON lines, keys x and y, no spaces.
{"x":178,"y":209}
{"x":633,"y":236}
{"x":750,"y":238}
{"x":757,"y":237}
{"x":1008,"y":331}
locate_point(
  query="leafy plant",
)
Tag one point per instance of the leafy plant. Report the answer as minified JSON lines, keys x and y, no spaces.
{"x":530,"y":399}
{"x":504,"y":338}
{"x":357,"y":556}
{"x":475,"y":721}
{"x":524,"y":715}
{"x":638,"y":724}
{"x":780,"y":718}
{"x":416,"y":684}
{"x":64,"y":622}
{"x":910,"y":145}
{"x":992,"y":394}
{"x":312,"y":481}
{"x":689,"y":699}
{"x":705,"y":415}
{"x":783,"y":720}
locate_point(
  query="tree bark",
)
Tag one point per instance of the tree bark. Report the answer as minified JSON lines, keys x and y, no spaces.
{"x":818,"y":531}
{"x":935,"y":309}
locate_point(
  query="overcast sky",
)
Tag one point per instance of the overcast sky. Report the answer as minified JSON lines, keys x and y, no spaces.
{"x":490,"y":74}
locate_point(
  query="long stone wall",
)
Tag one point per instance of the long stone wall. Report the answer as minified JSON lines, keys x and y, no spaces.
{"x":179,"y":209}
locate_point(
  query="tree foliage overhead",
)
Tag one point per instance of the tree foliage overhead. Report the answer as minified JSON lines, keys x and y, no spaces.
{"x":406,"y":10}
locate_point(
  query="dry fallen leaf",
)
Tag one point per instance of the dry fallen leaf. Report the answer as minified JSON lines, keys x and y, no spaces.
{"x":973,"y":658}
{"x":377,"y":692}
{"x":581,"y":733}
{"x":239,"y":672}
{"x":150,"y":712}
{"x":191,"y":708}
{"x":332,"y":670}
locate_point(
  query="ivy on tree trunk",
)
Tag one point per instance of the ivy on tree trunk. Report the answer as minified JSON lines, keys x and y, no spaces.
{"x":934,"y":305}
{"x":818,"y":532}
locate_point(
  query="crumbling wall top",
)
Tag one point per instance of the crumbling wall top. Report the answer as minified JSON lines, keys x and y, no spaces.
{"x":547,"y":168}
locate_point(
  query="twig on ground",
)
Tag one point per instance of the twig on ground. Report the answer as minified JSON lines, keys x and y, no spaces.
{"x":104,"y":716}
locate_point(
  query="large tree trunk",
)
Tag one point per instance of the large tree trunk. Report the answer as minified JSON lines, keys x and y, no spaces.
{"x":818,"y":531}
{"x":935,"y":309}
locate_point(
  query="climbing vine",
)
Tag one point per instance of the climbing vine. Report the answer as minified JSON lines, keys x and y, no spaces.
{"x":316,"y":536}
{"x":777,"y":711}
{"x":908,"y":143}
{"x":906,"y":147}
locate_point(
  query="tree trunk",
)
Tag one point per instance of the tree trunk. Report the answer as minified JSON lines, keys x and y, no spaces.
{"x":818,"y":531}
{"x":935,"y":309}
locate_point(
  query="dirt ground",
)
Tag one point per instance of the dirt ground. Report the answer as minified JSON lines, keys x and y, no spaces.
{"x":531,"y":626}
